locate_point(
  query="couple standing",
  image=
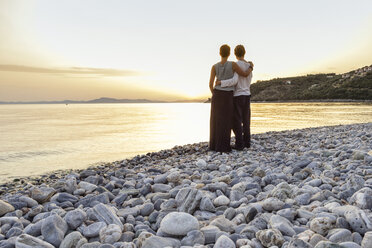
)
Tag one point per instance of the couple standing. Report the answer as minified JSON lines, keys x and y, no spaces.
{"x":230,"y":105}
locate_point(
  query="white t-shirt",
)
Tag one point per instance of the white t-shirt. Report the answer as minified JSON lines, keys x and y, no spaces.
{"x":242,"y":84}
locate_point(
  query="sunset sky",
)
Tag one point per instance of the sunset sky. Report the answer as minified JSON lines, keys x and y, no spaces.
{"x":164,"y":49}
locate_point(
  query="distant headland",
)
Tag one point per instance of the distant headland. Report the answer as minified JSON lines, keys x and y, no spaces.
{"x":351,"y":86}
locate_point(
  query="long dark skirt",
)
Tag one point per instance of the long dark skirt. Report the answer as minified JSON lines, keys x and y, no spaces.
{"x":222,"y":108}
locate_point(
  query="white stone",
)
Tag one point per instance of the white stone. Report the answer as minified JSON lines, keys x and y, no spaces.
{"x":367,"y":240}
{"x":27,"y":241}
{"x":224,"y":242}
{"x":272,"y":204}
{"x":179,"y":223}
{"x":110,"y":234}
{"x":362,"y":198}
{"x":88,"y":187}
{"x":349,"y":244}
{"x":72,"y":239}
{"x":160,"y":242}
{"x":321,"y":225}
{"x":201,"y":163}
{"x":174,"y":177}
{"x":223,"y":224}
{"x":270,"y":237}
{"x":221,"y":201}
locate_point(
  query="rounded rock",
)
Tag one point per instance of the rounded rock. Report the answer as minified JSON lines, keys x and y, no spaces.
{"x":201,"y":163}
{"x":93,"y":229}
{"x":147,"y":209}
{"x":71,"y":240}
{"x":75,"y":218}
{"x":272,"y":204}
{"x":282,"y":224}
{"x":221,"y":201}
{"x":178,"y":223}
{"x":321,"y":225}
{"x":367,"y":240}
{"x":339,"y":235}
{"x":349,"y":244}
{"x":193,"y":237}
{"x":5,"y":208}
{"x":54,"y":229}
{"x":110,"y":234}
{"x":27,"y":241}
{"x":224,"y":242}
{"x":270,"y":237}
{"x":174,"y":177}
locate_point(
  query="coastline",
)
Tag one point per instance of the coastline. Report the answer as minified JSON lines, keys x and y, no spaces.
{"x":303,"y":178}
{"x":52,"y":176}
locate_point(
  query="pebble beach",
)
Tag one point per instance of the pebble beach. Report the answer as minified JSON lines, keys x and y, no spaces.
{"x":306,"y":188}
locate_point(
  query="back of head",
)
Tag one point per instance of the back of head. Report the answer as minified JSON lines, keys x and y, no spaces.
{"x":225,"y":51}
{"x":239,"y":51}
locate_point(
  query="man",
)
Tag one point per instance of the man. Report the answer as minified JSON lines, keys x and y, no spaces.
{"x":241,"y":100}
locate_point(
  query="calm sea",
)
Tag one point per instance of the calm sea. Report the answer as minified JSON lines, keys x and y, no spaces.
{"x":35,"y":139}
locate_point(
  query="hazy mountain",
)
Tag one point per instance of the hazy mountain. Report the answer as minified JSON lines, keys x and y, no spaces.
{"x":113,"y":100}
{"x":99,"y":100}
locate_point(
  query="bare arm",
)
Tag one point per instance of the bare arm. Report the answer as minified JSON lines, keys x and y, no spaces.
{"x":234,"y":80}
{"x":211,"y":79}
{"x":229,"y":82}
{"x":250,"y":62}
{"x":242,"y":73}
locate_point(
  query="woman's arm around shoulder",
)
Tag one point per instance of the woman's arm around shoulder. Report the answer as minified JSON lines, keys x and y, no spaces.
{"x":242,"y":73}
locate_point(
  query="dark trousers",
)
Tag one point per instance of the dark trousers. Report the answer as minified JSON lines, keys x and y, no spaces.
{"x":222,"y":108}
{"x":242,"y":121}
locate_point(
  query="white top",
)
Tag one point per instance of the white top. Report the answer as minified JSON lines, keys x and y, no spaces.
{"x":242,"y":84}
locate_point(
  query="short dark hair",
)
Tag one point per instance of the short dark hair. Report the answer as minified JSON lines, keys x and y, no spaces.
{"x":225,"y":51}
{"x":239,"y":51}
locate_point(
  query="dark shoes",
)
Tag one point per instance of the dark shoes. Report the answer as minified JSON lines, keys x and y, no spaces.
{"x":239,"y":148}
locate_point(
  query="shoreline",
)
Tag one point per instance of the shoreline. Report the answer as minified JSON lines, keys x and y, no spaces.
{"x":56,"y":174}
{"x":297,"y":187}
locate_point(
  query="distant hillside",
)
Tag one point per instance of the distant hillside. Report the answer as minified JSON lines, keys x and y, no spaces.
{"x":99,"y":100}
{"x":354,"y":85}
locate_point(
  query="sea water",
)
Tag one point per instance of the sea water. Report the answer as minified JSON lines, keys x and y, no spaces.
{"x":35,"y":139}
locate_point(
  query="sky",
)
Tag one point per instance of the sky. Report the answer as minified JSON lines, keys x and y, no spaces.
{"x":164,"y":49}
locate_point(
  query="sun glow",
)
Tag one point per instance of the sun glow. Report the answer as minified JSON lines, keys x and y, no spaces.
{"x":78,"y":50}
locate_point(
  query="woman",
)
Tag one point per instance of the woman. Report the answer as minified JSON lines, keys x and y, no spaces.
{"x":222,"y":102}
